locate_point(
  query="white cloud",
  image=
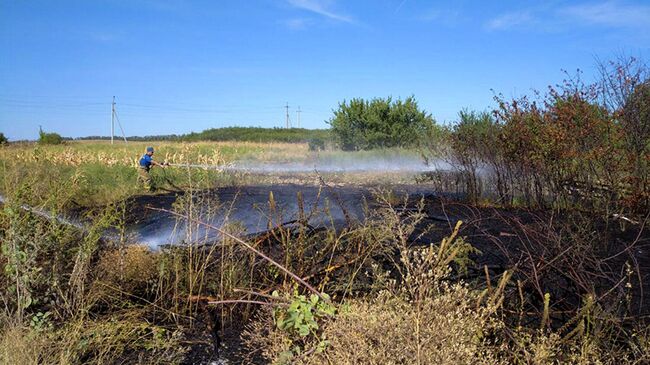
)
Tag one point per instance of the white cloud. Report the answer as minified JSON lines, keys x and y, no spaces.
{"x":104,"y":36}
{"x":610,"y":13}
{"x":510,"y":20}
{"x":430,"y":15}
{"x":320,"y":7}
{"x":297,"y":23}
{"x":448,"y":17}
{"x":400,"y":5}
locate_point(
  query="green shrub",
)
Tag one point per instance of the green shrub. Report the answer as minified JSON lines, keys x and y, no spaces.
{"x":379,"y":123}
{"x":49,"y":138}
{"x":3,"y":139}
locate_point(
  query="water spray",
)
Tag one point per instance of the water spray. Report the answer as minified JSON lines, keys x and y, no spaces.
{"x":59,"y":218}
{"x":47,"y":215}
{"x":196,"y":166}
{"x":375,"y":164}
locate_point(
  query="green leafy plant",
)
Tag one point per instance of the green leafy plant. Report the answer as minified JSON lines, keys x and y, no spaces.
{"x":302,"y":314}
{"x":41,"y":321}
{"x":300,"y":320}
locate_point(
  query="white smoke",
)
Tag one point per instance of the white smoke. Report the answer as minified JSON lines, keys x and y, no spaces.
{"x":342,"y":163}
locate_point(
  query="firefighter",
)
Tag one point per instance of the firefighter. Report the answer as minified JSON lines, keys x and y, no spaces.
{"x":146,"y":163}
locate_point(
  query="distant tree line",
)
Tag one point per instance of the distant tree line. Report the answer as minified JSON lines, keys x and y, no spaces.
{"x":256,"y":134}
{"x":246,"y":134}
{"x":356,"y":125}
{"x":161,"y":137}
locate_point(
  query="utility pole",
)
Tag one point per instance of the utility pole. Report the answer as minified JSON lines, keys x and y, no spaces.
{"x":112,"y":119}
{"x":287,"y":115}
{"x":298,"y":116}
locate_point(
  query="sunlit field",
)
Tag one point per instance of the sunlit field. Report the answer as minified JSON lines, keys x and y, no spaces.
{"x":105,"y":173}
{"x":516,"y":235}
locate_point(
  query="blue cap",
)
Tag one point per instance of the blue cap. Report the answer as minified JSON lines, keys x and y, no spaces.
{"x":149,"y":149}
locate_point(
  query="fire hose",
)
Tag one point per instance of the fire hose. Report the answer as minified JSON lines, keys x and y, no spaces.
{"x":197,"y":166}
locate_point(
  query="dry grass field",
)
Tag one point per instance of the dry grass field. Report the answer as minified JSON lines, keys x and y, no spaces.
{"x":346,"y":269}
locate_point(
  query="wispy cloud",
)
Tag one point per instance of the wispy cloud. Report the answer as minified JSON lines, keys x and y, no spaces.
{"x":610,"y":13}
{"x":103,"y":36}
{"x":228,"y":71}
{"x":297,"y":23}
{"x":158,"y":5}
{"x":510,"y":20}
{"x":448,"y":17}
{"x":321,"y":7}
{"x":430,"y":15}
{"x":400,"y":5}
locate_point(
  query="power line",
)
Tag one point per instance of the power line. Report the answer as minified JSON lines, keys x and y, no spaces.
{"x":120,"y":125}
{"x":56,"y":98}
{"x":167,"y":107}
{"x":28,"y":105}
{"x":113,"y":118}
{"x":287,"y":114}
{"x":198,"y":110}
{"x":32,"y":102}
{"x":298,"y":116}
{"x":66,"y":107}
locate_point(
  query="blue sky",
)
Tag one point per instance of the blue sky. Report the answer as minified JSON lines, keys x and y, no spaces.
{"x":180,"y":66}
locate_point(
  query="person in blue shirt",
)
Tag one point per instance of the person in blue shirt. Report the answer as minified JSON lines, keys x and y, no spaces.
{"x":145,"y":164}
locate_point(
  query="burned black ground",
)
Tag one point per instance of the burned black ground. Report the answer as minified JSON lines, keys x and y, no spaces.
{"x":569,"y":255}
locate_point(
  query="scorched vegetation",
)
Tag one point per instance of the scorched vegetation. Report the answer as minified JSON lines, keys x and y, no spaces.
{"x":527,"y":245}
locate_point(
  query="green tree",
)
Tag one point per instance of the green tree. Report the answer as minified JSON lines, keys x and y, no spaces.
{"x":3,"y":139}
{"x":49,"y":138}
{"x":378,"y":123}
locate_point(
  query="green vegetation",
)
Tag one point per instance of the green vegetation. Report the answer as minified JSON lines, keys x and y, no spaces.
{"x":241,"y":134}
{"x":413,"y":281}
{"x":472,"y":140}
{"x":74,"y":297}
{"x":3,"y":139}
{"x":60,"y":308}
{"x":107,"y":173}
{"x":261,"y":135}
{"x":634,"y":120}
{"x":579,"y":146}
{"x":49,"y":138}
{"x":379,"y":123}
